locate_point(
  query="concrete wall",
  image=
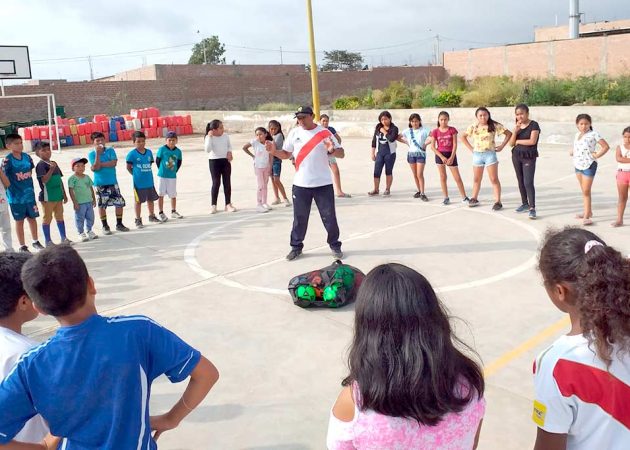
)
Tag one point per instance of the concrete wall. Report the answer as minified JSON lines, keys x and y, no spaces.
{"x":564,"y":59}
{"x":228,"y":91}
{"x":557,"y":122}
{"x":562,"y":32}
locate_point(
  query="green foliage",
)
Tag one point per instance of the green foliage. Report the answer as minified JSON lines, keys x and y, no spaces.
{"x":214,"y":50}
{"x":277,"y":106}
{"x":494,"y":91}
{"x":342,"y":60}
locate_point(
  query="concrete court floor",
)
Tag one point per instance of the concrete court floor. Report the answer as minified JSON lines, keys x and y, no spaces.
{"x":219,"y":282}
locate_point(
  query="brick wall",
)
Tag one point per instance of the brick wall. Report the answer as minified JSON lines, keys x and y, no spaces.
{"x":566,"y":58}
{"x":562,"y":32}
{"x":226,"y":91}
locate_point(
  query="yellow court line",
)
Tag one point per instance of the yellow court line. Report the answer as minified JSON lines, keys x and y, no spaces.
{"x":526,"y":346}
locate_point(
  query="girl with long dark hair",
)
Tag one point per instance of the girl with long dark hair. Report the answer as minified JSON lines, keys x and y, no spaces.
{"x":581,"y":381}
{"x":384,"y":152}
{"x":524,"y":141}
{"x":275,"y":129}
{"x":416,"y":138}
{"x":219,"y":149}
{"x":410,"y":385}
{"x":484,"y":150}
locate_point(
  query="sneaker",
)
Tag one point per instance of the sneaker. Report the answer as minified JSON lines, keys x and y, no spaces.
{"x":287,"y":203}
{"x":121,"y":227}
{"x":337,"y":254}
{"x":446,"y":201}
{"x":37,"y":245}
{"x":154,"y":219}
{"x":267,"y":207}
{"x":497,"y":206}
{"x":386,"y":193}
{"x":138,"y":224}
{"x":532,"y":214}
{"x":106,"y":230}
{"x":84,"y":237}
{"x":176,"y":215}
{"x":213,"y":209}
{"x":24,"y":249}
{"x":230,"y":208}
{"x":261,"y":209}
{"x":276,"y":202}
{"x":48,"y":244}
{"x":524,"y":207}
{"x":163,"y":217}
{"x":417,"y":194}
{"x":423,"y":197}
{"x":293,"y":254}
{"x":473,"y":202}
{"x":67,"y":241}
{"x":92,"y":235}
{"x":465,"y":200}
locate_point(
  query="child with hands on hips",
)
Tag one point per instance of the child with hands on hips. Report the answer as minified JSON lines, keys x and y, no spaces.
{"x":263,"y":162}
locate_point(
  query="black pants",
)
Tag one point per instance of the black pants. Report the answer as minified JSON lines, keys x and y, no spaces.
{"x":386,"y":159}
{"x":525,"y":169}
{"x":324,"y":197}
{"x":221,"y":169}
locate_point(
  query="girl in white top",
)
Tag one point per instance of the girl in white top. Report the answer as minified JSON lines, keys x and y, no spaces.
{"x":582,"y":382}
{"x":416,"y":137}
{"x":623,"y":175}
{"x":219,"y":149}
{"x":262,"y":166}
{"x":585,"y":157}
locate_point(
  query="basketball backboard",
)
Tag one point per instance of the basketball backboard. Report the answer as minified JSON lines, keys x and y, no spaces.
{"x":15,"y":63}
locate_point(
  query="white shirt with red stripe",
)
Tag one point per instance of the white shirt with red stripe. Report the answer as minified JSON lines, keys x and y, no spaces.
{"x":311,"y":170}
{"x":577,"y":395}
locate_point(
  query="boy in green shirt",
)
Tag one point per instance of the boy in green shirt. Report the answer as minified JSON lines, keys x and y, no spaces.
{"x":83,"y":199}
{"x":52,"y":195}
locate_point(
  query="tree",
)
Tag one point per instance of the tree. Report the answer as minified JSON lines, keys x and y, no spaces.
{"x":342,"y":60}
{"x":214,"y":51}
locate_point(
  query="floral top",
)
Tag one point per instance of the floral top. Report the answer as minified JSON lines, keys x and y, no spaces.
{"x":584,"y":149}
{"x":483,"y":140}
{"x":371,"y":430}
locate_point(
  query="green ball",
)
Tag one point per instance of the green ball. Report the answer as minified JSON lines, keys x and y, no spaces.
{"x":330,"y":292}
{"x":306,"y":293}
{"x":346,"y":274}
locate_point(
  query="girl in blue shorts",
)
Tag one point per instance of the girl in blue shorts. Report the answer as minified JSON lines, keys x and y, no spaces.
{"x":416,"y":138}
{"x":384,"y":152}
{"x":275,"y":129}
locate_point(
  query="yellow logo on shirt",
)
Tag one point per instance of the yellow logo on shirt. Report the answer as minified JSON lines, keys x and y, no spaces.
{"x":540,"y":411}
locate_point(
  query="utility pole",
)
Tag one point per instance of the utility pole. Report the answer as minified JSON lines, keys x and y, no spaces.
{"x":311,"y":41}
{"x":91,"y":68}
{"x":281,"y":62}
{"x":438,"y":57}
{"x":205,"y":58}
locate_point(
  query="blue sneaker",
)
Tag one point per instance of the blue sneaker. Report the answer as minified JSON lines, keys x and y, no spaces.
{"x":524,"y":207}
{"x":532,"y":214}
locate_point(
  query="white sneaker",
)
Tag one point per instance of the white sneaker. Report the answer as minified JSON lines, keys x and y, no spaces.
{"x":276,"y":202}
{"x":230,"y":208}
{"x":92,"y":235}
{"x":84,"y":237}
{"x":213,"y":209}
{"x":287,"y":203}
{"x":163,"y":217}
{"x":267,"y":207}
{"x":261,"y":209}
{"x":176,"y":215}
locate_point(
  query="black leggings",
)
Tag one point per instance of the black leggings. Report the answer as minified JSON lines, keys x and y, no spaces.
{"x":525,"y":170}
{"x":384,"y":159}
{"x":220,"y":168}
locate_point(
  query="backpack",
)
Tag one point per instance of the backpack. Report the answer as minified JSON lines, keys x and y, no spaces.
{"x":331,"y":287}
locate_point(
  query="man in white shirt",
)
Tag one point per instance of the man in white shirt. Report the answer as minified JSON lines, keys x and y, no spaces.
{"x":311,"y":145}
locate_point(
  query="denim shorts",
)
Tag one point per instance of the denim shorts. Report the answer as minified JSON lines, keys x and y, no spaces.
{"x":276,"y":167}
{"x":416,"y":157}
{"x":484,"y":159}
{"x":590,"y":172}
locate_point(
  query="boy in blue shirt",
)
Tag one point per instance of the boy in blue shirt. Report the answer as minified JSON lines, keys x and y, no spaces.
{"x":139,"y":162}
{"x":168,"y":161}
{"x":18,"y":169}
{"x":91,"y":380}
{"x":103,"y":161}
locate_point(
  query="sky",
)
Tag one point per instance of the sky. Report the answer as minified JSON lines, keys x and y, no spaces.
{"x":120,"y":36}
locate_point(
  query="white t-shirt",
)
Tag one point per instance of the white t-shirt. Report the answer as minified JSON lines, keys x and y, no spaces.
{"x":584,"y":149}
{"x":419,"y":137}
{"x":12,"y":346}
{"x":313,"y":171}
{"x":217,"y":147}
{"x":4,"y":205}
{"x":625,"y":153}
{"x":261,"y":155}
{"x":577,"y":395}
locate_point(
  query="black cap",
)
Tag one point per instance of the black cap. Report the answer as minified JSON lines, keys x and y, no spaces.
{"x":307,"y":110}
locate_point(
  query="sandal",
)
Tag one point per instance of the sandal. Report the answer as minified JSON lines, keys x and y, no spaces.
{"x":373,"y":193}
{"x":386,"y":192}
{"x":587,"y":222}
{"x":344,"y":195}
{"x":616,"y":224}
